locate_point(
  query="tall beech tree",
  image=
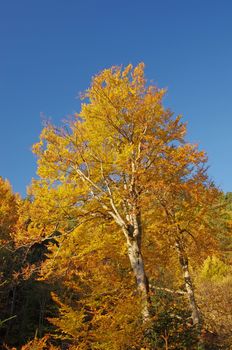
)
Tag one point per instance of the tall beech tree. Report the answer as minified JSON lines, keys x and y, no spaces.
{"x":107,"y":163}
{"x":188,"y":207}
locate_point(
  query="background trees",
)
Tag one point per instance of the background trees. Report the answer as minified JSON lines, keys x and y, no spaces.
{"x":23,"y":299}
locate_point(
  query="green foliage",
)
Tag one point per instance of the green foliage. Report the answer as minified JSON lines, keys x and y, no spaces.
{"x":172,"y":328}
{"x":214,"y":269}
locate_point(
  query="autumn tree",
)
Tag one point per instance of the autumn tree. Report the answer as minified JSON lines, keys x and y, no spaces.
{"x":187,"y":203}
{"x":97,"y":165}
{"x":8,"y":220}
{"x":118,"y":154}
{"x":24,"y":301}
{"x":8,"y":210}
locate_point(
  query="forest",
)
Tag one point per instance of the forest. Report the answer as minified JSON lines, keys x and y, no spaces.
{"x":123,"y":242}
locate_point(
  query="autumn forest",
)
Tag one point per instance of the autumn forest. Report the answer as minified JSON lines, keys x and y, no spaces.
{"x":123,"y":242}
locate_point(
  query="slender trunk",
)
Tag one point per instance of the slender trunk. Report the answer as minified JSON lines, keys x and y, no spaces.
{"x":137,"y":265}
{"x":183,"y":259}
{"x":134,"y":235}
{"x":132,"y":229}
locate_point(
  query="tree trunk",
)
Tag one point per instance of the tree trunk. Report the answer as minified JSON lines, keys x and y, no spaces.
{"x":134,"y":238}
{"x":137,"y":265}
{"x":183,"y":259}
{"x":132,"y":229}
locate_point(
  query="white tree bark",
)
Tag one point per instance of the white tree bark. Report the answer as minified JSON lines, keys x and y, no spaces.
{"x":136,"y":260}
{"x":133,"y":232}
{"x":183,"y":259}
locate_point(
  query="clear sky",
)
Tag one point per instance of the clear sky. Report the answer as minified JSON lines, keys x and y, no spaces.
{"x":49,"y":49}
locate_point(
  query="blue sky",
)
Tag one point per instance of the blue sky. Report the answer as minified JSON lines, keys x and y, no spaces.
{"x":49,"y":49}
